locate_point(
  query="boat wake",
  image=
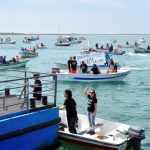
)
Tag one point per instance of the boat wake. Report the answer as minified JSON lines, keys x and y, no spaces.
{"x":131,"y":68}
{"x":137,"y":54}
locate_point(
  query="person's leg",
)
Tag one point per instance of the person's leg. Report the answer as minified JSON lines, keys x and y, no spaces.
{"x":93,"y":119}
{"x":89,"y":119}
{"x":71,"y":125}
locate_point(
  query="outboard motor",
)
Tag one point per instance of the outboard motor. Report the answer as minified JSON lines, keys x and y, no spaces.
{"x":136,"y":134}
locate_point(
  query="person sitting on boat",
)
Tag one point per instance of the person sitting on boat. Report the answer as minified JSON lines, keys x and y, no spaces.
{"x":111,"y":48}
{"x":96,"y":45}
{"x":95,"y":69}
{"x":70,"y":106}
{"x":73,"y":65}
{"x":4,"y":60}
{"x":1,"y":59}
{"x":112,"y":67}
{"x":42,"y":44}
{"x":17,"y":58}
{"x":102,"y":47}
{"x":37,"y":87}
{"x":84,"y":67}
{"x":92,"y":106}
{"x":13,"y":60}
{"x":148,"y":47}
{"x":69,"y":64}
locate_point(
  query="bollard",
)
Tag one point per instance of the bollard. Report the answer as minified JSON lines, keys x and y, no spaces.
{"x":7,"y":92}
{"x":44,"y":100}
{"x":32,"y":102}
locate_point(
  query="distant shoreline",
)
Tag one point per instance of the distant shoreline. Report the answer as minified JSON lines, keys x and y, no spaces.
{"x":13,"y":33}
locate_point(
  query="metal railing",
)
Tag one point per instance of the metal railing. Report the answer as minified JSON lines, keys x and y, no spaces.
{"x":21,"y":88}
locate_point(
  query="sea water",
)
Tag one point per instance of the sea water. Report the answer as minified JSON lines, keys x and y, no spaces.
{"x":127,"y":101}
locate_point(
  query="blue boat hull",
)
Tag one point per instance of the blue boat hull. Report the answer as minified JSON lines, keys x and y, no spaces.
{"x":25,"y":131}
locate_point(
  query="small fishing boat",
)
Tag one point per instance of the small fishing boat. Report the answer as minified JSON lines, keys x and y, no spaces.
{"x":62,"y":44}
{"x":118,"y":53}
{"x":32,"y":38}
{"x":11,"y":65}
{"x":81,"y":38}
{"x":88,"y":50}
{"x":7,"y":42}
{"x":41,"y":47}
{"x":106,"y":135}
{"x":141,"y":50}
{"x":88,"y":77}
{"x":28,"y":54}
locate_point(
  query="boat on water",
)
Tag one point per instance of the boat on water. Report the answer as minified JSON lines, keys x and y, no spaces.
{"x":11,"y":65}
{"x":106,"y":135}
{"x":25,"y":123}
{"x":41,"y":47}
{"x":118,"y":52}
{"x":89,"y":50}
{"x":63,"y":75}
{"x":28,"y":54}
{"x":32,"y":38}
{"x":8,"y":42}
{"x":67,"y":40}
{"x":81,"y":38}
{"x":141,"y":50}
{"x":141,"y":41}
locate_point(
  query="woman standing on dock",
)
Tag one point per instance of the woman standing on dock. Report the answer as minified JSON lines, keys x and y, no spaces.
{"x":70,"y":106}
{"x":92,"y":106}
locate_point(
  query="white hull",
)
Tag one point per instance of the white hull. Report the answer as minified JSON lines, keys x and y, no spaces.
{"x":8,"y":42}
{"x":141,"y":50}
{"x":64,"y":76}
{"x":41,"y":47}
{"x":21,"y":63}
{"x":107,"y":129}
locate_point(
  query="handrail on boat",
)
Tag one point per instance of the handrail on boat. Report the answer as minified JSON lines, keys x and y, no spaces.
{"x":20,"y":88}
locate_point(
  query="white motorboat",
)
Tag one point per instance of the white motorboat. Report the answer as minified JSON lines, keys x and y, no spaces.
{"x":41,"y":47}
{"x":7,"y":42}
{"x":81,"y":38}
{"x":141,"y":50}
{"x":89,"y":77}
{"x":107,"y":135}
{"x":11,"y":65}
{"x":142,"y":40}
{"x":66,"y":40}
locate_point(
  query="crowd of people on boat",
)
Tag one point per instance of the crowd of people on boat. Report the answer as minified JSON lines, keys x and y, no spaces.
{"x":71,"y":111}
{"x":13,"y":60}
{"x":72,"y":66}
{"x":30,"y":50}
{"x":7,"y":39}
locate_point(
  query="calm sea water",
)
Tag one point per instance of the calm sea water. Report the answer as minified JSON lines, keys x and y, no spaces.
{"x":127,"y":102}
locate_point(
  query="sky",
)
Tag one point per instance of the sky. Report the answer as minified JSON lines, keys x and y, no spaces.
{"x":75,"y":16}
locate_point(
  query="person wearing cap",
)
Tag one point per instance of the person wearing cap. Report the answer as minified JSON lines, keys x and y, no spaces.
{"x":92,"y":106}
{"x":37,"y":87}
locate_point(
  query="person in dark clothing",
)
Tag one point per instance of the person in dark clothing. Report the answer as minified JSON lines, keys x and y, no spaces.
{"x":84,"y":67}
{"x":70,"y":106}
{"x":95,"y":69}
{"x":37,"y":87}
{"x":96,"y":45}
{"x":92,"y":106}
{"x":73,"y":65}
{"x":69,"y":64}
{"x":13,"y":60}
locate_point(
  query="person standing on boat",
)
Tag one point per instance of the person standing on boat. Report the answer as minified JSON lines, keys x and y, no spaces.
{"x":92,"y":106}
{"x":84,"y":67}
{"x":69,"y":64}
{"x":70,"y":106}
{"x":37,"y":87}
{"x":73,"y":65}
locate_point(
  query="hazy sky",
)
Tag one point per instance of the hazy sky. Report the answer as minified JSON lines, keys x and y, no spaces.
{"x":75,"y":16}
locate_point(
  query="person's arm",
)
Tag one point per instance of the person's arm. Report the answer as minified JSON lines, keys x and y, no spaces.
{"x":85,"y":91}
{"x":95,"y":109}
{"x":62,"y":107}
